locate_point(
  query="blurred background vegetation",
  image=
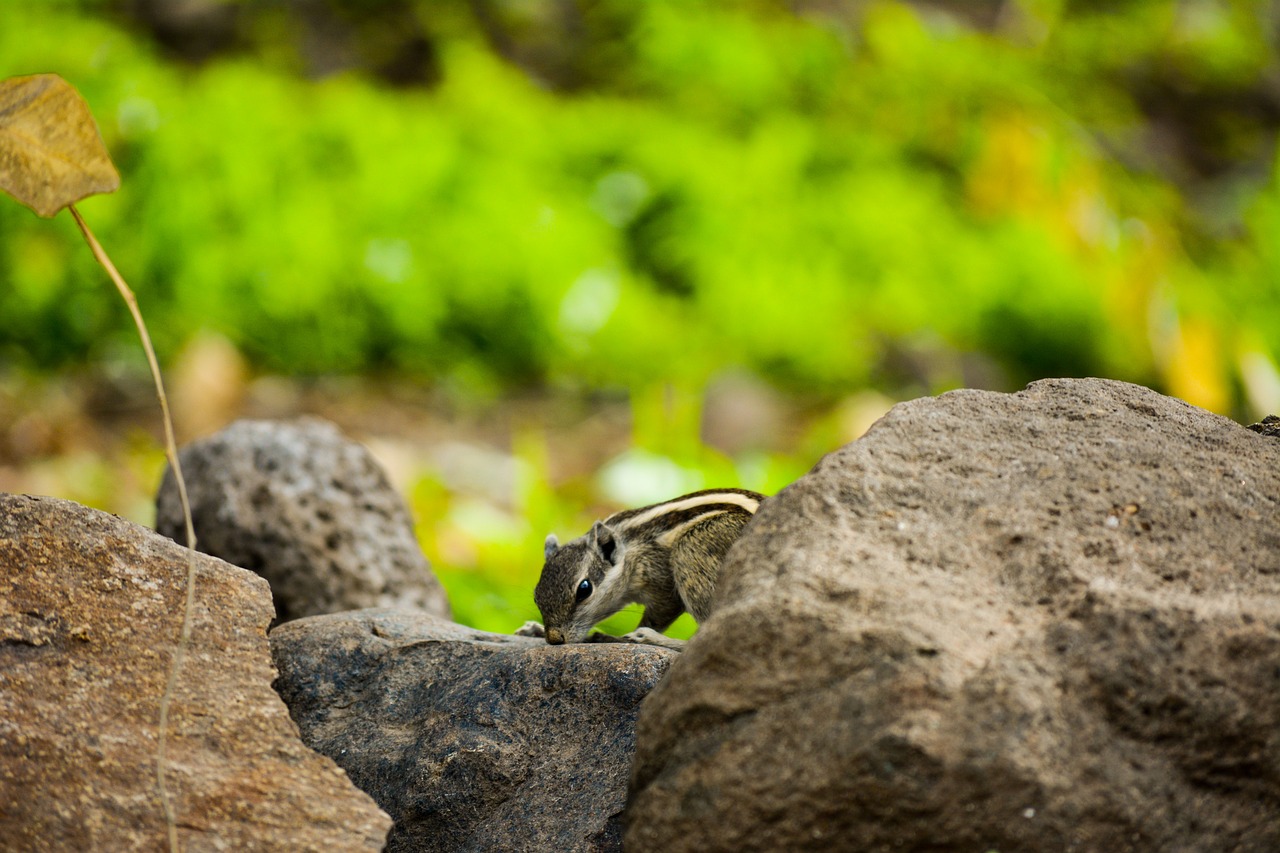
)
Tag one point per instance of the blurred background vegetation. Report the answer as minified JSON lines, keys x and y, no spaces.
{"x":552,"y":257}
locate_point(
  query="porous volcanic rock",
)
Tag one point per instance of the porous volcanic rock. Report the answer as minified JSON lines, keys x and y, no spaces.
{"x":310,"y":511}
{"x":1040,"y":621}
{"x":90,"y":614}
{"x":471,"y":741}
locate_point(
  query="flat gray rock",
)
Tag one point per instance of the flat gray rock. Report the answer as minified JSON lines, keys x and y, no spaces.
{"x":90,"y":616}
{"x":470,"y":741}
{"x":1039,"y":621}
{"x":310,"y":511}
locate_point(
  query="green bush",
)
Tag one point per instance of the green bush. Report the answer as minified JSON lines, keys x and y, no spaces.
{"x":881,"y":194}
{"x":741,"y":187}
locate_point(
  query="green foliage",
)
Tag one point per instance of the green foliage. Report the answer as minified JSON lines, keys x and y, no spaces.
{"x":877,"y":194}
{"x":740,"y":187}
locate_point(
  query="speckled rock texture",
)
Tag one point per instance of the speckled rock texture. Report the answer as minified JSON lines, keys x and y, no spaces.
{"x":1041,"y":621}
{"x":471,"y":741}
{"x":310,"y":511}
{"x":1269,"y":426}
{"x":90,"y":615}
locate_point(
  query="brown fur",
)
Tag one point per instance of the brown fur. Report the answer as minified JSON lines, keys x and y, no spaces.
{"x":670,"y":563}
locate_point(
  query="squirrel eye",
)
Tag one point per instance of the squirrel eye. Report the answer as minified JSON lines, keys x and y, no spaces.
{"x":584,"y":589}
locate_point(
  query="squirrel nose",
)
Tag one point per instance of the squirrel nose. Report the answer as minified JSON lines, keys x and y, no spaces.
{"x":555,"y":636}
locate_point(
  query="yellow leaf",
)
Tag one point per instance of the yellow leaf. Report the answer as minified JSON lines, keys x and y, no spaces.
{"x":50,"y":152}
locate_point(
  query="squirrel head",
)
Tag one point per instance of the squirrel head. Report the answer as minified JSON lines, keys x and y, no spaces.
{"x":573,"y":592}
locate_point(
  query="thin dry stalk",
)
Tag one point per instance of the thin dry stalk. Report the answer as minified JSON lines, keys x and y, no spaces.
{"x":171,"y":451}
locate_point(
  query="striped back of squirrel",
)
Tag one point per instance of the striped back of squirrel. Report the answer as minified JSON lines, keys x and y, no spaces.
{"x":666,"y":522}
{"x":626,"y":559}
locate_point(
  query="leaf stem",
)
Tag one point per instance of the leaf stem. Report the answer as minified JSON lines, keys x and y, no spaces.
{"x":171,"y":451}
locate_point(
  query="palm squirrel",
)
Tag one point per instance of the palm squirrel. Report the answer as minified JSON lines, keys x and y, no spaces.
{"x":665,"y":556}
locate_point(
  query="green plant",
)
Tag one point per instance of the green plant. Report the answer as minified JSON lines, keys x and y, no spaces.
{"x":827,"y":202}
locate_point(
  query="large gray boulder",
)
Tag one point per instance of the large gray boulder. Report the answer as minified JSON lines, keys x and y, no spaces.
{"x":90,"y":616}
{"x":310,"y":511}
{"x":1041,"y":621}
{"x":471,"y":741}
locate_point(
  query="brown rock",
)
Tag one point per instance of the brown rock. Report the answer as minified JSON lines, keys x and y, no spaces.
{"x":310,"y":511}
{"x":471,"y":741}
{"x":90,"y":612}
{"x":1041,"y":621}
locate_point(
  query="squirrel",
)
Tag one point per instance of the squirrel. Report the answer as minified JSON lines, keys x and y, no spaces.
{"x":665,"y":556}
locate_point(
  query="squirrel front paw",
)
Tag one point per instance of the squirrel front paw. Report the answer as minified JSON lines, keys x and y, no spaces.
{"x":531,"y":629}
{"x":650,"y":637}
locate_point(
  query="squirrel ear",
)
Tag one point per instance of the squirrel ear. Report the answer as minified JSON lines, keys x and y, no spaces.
{"x":604,"y":540}
{"x":550,"y":546}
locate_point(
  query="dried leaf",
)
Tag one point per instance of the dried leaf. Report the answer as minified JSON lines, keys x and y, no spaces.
{"x":51,"y":154}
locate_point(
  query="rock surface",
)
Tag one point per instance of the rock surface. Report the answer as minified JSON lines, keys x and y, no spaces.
{"x":90,"y":612}
{"x":310,"y":511}
{"x":1270,"y":426}
{"x":471,"y":741}
{"x":1041,"y":621}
